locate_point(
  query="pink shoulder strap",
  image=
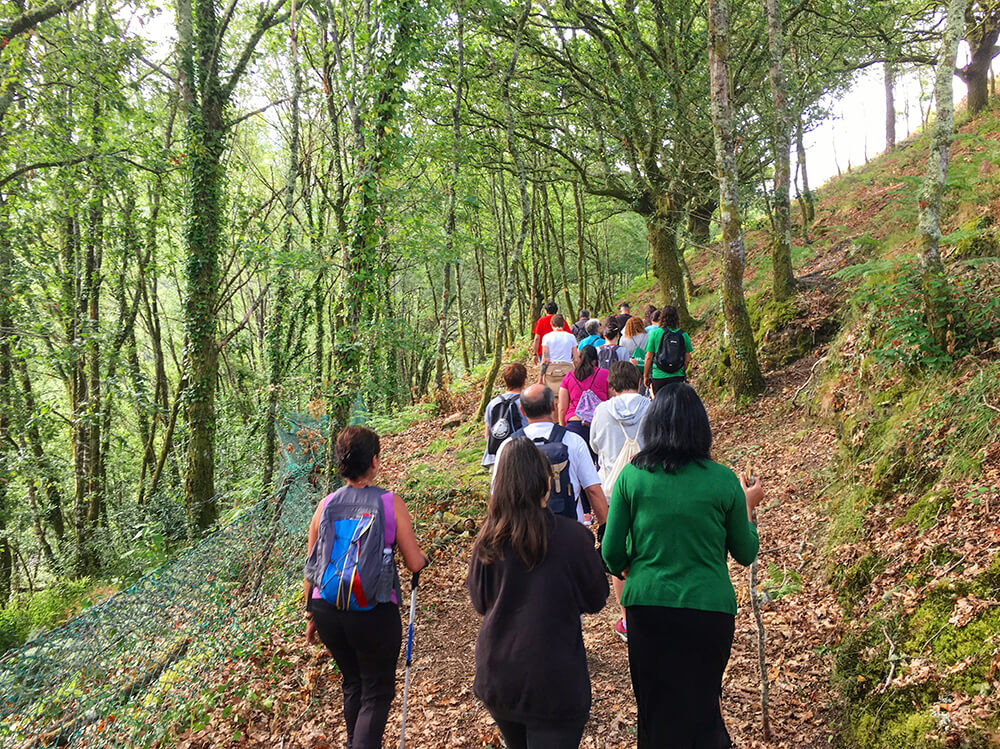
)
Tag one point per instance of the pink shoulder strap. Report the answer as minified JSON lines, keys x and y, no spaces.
{"x":390,"y":518}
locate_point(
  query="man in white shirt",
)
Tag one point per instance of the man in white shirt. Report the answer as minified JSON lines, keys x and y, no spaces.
{"x":557,"y":354}
{"x":536,"y":405}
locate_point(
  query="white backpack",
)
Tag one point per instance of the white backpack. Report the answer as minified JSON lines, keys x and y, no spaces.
{"x":629,"y":450}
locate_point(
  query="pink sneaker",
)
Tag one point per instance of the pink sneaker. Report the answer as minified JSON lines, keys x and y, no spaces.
{"x":621,"y":629}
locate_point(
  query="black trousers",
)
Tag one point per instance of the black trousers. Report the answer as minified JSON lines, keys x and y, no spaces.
{"x":677,"y":658}
{"x":659,"y":383}
{"x":365,"y":646}
{"x":521,"y":736}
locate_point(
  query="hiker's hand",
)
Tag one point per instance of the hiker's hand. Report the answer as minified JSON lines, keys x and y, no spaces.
{"x":753,"y":490}
{"x":311,"y":632}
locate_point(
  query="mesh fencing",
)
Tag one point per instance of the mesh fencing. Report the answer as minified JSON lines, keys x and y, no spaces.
{"x":126,"y":670}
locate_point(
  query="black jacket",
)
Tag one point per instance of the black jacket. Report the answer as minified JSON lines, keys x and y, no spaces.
{"x":530,"y":663}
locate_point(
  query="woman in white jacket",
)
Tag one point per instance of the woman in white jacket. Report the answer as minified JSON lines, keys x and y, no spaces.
{"x":615,"y":436}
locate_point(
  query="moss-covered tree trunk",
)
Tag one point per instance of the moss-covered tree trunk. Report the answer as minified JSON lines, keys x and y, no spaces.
{"x":661,"y":231}
{"x":934,"y":281}
{"x":747,"y":379}
{"x":202,"y":241}
{"x":6,"y":328}
{"x":782,"y":278}
{"x":205,"y":95}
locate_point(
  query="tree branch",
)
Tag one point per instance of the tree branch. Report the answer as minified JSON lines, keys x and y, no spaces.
{"x":31,"y":18}
{"x":268,"y":20}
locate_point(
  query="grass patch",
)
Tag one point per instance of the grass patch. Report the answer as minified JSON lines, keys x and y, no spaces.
{"x":25,"y":615}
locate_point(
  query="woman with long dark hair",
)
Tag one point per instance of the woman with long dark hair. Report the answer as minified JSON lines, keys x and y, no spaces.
{"x":580,"y":392}
{"x":675,"y":515}
{"x":362,"y":635}
{"x":531,"y":576}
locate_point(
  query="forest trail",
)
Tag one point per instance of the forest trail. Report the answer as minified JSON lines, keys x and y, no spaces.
{"x":294,"y":690}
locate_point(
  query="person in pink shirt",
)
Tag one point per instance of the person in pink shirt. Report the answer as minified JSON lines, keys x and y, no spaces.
{"x":581,"y":391}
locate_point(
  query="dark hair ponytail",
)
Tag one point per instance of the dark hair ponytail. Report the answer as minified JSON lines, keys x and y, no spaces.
{"x":588,"y":363}
{"x":355,"y":449}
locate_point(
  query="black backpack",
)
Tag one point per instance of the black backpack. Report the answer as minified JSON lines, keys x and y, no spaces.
{"x":670,"y":354}
{"x":608,"y":355}
{"x":505,"y":419}
{"x":561,"y":499}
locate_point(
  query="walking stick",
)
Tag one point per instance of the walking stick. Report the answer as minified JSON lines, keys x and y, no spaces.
{"x":409,"y":654}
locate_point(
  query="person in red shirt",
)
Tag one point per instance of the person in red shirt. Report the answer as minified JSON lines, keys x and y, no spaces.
{"x":543,"y":326}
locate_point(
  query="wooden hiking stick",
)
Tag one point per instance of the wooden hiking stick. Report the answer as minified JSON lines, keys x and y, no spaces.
{"x":761,"y":655}
{"x":761,"y":634}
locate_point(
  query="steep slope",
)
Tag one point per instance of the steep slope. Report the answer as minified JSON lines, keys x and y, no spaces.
{"x":879,"y":541}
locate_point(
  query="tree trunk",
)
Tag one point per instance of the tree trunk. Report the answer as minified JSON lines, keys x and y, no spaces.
{"x":782,"y":279}
{"x":661,"y":231}
{"x":205,"y":101}
{"x":935,"y":284}
{"x":53,"y":512}
{"x":581,"y":276}
{"x":807,"y":203}
{"x":889,"y":77}
{"x":982,"y":34}
{"x":449,"y":223}
{"x":699,"y":221}
{"x":522,"y":181}
{"x":6,"y":326}
{"x":747,"y":379}
{"x":278,"y":350}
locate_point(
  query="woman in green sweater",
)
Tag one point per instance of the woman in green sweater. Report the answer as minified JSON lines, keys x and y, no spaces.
{"x":675,"y":516}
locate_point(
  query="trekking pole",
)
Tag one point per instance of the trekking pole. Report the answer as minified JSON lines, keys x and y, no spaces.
{"x":409,"y":654}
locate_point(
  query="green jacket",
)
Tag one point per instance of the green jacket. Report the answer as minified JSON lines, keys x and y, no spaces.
{"x":672,"y":532}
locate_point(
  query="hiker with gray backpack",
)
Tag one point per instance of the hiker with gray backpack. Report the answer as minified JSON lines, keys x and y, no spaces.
{"x":503,"y":413}
{"x":352,"y":589}
{"x":668,"y":353}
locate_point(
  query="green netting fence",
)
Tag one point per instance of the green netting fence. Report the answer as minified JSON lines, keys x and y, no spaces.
{"x":127,"y":670}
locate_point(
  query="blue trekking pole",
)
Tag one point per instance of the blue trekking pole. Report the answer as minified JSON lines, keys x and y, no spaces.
{"x":409,"y":654}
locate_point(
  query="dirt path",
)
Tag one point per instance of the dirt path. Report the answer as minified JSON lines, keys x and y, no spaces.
{"x":294,"y":698}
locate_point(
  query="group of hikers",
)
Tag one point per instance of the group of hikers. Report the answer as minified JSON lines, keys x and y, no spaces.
{"x":611,"y":434}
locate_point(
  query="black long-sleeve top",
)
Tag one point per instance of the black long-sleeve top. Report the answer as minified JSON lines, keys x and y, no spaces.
{"x":530,"y":663}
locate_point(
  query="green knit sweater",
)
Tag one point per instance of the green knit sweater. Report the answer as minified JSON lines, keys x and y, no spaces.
{"x":673,"y":531}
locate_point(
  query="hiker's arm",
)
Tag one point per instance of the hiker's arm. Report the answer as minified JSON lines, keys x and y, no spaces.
{"x":687,"y":360}
{"x":613,"y":547}
{"x":647,"y":368}
{"x":413,"y":555}
{"x":536,"y":346}
{"x":313,"y":534}
{"x":741,"y":534}
{"x":563,"y":405}
{"x":598,"y":502}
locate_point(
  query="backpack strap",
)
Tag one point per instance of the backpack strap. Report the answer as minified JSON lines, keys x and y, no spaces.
{"x":390,"y":518}
{"x":557,"y":433}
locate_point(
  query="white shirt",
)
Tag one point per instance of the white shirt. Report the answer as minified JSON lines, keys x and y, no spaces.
{"x":582,"y":473}
{"x":560,"y":344}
